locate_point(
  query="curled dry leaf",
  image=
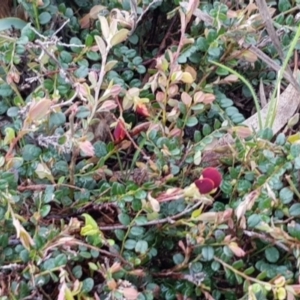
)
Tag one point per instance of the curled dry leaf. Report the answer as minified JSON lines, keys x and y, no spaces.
{"x":23,"y":235}
{"x":241,"y":131}
{"x":246,"y":204}
{"x":39,"y":109}
{"x":154,"y":203}
{"x":85,"y":22}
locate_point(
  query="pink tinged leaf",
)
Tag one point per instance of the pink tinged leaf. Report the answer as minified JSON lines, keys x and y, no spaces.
{"x":214,"y":175}
{"x":115,"y":90}
{"x":173,"y":90}
{"x":108,"y":105}
{"x":204,"y":185}
{"x":239,"y":252}
{"x":130,"y":293}
{"x":87,"y":148}
{"x":186,"y":99}
{"x":175,"y":132}
{"x":209,"y":98}
{"x":120,"y":131}
{"x":160,"y":96}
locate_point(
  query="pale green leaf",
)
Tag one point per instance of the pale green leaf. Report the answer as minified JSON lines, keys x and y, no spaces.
{"x":119,"y":37}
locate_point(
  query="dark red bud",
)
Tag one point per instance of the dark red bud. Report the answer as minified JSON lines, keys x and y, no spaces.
{"x":214,"y":175}
{"x":204,"y":185}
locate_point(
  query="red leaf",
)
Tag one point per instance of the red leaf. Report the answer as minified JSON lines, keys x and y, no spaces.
{"x":204,"y":185}
{"x":120,"y":131}
{"x":214,"y":175}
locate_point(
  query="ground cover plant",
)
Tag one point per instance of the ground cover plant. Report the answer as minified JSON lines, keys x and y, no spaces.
{"x":129,"y":163}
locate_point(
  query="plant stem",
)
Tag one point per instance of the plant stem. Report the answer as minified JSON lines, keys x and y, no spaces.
{"x":250,"y":87}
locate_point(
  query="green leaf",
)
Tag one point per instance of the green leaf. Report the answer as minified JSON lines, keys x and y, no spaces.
{"x":5,"y":90}
{"x":137,"y":231}
{"x":202,"y":44}
{"x":89,"y":40}
{"x":127,"y":75}
{"x":215,"y":266}
{"x":130,"y":244}
{"x":191,"y":121}
{"x":253,"y":220}
{"x":286,"y":195}
{"x":9,"y":23}
{"x":31,"y":152}
{"x":61,"y":260}
{"x":77,"y":271}
{"x":137,"y":60}
{"x":57,"y":119}
{"x":90,"y":227}
{"x":124,"y":219}
{"x":295,"y":210}
{"x":100,"y":149}
{"x":81,"y":72}
{"x":206,"y":130}
{"x":284,"y":5}
{"x":87,"y":285}
{"x":13,"y":112}
{"x":66,"y":57}
{"x":294,"y":230}
{"x":141,"y":69}
{"x":94,"y":56}
{"x":141,"y":220}
{"x":249,"y":271}
{"x":134,"y":39}
{"x":45,"y":209}
{"x":272,"y":254}
{"x":208,"y":253}
{"x":141,"y":247}
{"x":117,"y":189}
{"x":178,"y":258}
{"x":76,"y":41}
{"x":120,"y":234}
{"x":44,"y":18}
{"x":82,"y":112}
{"x":49,"y":264}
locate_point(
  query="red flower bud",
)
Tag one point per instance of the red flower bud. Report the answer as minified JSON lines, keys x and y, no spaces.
{"x":209,"y":181}
{"x":120,"y":131}
{"x":204,"y":185}
{"x":142,"y":110}
{"x":214,"y":175}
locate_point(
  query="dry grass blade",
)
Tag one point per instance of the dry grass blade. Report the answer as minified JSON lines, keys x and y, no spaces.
{"x":263,"y":10}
